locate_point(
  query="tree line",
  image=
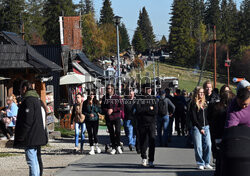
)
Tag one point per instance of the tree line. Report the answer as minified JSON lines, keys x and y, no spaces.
{"x":40,"y":19}
{"x":191,"y":28}
{"x":191,"y":31}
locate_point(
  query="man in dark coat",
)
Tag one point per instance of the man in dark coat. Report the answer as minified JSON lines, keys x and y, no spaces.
{"x":30,"y":132}
{"x":146,"y":115}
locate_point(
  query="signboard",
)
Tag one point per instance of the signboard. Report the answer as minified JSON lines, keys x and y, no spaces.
{"x":227,"y":63}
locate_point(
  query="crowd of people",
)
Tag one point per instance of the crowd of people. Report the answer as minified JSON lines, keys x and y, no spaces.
{"x":208,"y":119}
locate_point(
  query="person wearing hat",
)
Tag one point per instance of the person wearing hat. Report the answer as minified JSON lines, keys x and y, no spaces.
{"x":164,"y":104}
{"x":146,"y":116}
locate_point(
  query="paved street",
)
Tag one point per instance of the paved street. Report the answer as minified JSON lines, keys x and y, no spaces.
{"x":172,"y":161}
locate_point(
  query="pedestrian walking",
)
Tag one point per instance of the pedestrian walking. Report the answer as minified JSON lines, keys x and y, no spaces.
{"x":147,"y":111}
{"x":78,"y":118}
{"x":217,"y":124}
{"x":30,"y":131}
{"x":171,"y":118}
{"x":112,"y":107}
{"x":164,"y":105}
{"x":180,"y":118}
{"x":91,"y":109}
{"x":129,"y":120}
{"x":201,"y":132}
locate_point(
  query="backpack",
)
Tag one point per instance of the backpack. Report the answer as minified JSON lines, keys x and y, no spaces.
{"x":162,"y":107}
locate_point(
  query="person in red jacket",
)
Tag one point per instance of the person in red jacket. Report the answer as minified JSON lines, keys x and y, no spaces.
{"x":112,"y":107}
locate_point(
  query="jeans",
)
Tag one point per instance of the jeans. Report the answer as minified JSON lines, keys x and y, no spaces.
{"x":32,"y":161}
{"x":83,"y":129}
{"x":170,"y":127}
{"x":162,"y":122}
{"x":202,"y":146}
{"x":129,"y":129}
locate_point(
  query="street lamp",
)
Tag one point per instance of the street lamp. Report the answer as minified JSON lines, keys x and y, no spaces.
{"x":117,"y":20}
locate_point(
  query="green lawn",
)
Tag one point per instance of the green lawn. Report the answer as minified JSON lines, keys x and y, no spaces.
{"x":188,"y":77}
{"x":7,"y":154}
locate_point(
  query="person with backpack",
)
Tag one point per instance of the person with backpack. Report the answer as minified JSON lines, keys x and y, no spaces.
{"x":164,"y":105}
{"x":78,"y":117}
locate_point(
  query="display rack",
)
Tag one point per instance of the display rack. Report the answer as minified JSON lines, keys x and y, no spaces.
{"x":50,"y":107}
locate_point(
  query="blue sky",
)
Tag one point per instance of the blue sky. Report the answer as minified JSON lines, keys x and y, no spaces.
{"x":158,"y":10}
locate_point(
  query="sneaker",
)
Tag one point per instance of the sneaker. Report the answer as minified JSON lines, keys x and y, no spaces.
{"x":144,"y":162}
{"x":76,"y":149}
{"x":98,"y":150}
{"x":12,"y":138}
{"x":113,"y":151}
{"x":4,"y":138}
{"x":151,"y":164}
{"x":208,"y":166}
{"x":92,"y":150}
{"x":119,"y":150}
{"x":200,"y":167}
{"x":130,"y":147}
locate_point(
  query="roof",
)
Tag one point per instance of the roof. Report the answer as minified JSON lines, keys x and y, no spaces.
{"x":91,"y":67}
{"x":13,"y":56}
{"x":22,"y":55}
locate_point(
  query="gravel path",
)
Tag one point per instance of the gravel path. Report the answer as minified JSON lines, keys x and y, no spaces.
{"x":58,"y":154}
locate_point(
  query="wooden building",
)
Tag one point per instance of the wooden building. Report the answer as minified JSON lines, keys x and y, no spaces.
{"x":19,"y":61}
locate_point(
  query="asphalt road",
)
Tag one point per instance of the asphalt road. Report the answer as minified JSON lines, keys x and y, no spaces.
{"x":174,"y":160}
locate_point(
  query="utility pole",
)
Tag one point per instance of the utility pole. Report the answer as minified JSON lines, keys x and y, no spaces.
{"x":215,"y":61}
{"x":117,"y":22}
{"x":227,"y":64}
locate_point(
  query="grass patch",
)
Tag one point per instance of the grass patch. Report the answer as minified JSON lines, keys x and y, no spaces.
{"x":7,"y":155}
{"x":188,"y":77}
{"x":64,"y":132}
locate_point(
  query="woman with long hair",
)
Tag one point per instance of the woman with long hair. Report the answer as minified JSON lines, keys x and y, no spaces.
{"x":201,"y":132}
{"x":90,"y":110}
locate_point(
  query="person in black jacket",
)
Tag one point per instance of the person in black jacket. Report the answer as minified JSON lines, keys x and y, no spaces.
{"x":146,"y":114}
{"x":129,"y":121}
{"x":91,"y":108}
{"x":201,"y":132}
{"x":30,"y":132}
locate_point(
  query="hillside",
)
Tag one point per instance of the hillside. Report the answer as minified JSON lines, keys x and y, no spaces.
{"x":188,"y":78}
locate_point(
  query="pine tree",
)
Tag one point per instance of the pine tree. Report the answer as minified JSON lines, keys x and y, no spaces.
{"x":228,"y":22}
{"x":34,"y":29}
{"x":107,"y":15}
{"x":244,"y":24}
{"x":124,"y":42}
{"x":212,"y":15}
{"x":163,"y":41}
{"x":138,"y":41}
{"x":12,"y":13}
{"x":93,"y":44}
{"x":197,"y":27}
{"x":52,"y":10}
{"x":180,"y":39}
{"x":89,"y":7}
{"x":146,"y":29}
